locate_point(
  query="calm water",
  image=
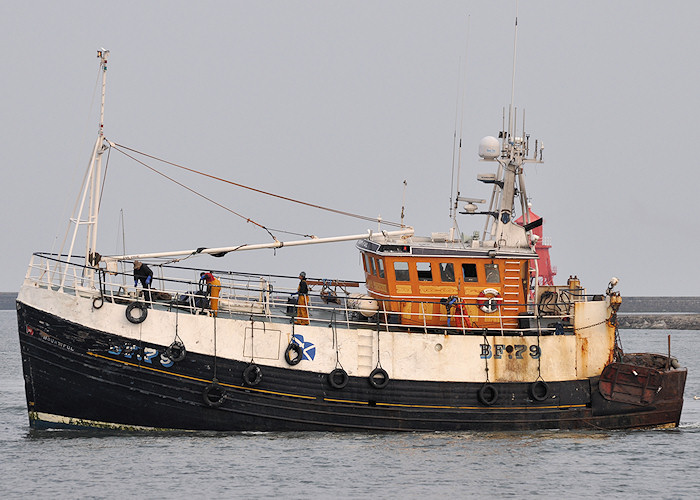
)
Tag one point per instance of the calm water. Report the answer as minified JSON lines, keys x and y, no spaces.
{"x":549,"y":464}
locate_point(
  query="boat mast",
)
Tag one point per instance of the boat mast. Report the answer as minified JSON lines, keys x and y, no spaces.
{"x":91,"y":242}
{"x":511,"y":143}
{"x":511,"y":151}
{"x":91,"y":188}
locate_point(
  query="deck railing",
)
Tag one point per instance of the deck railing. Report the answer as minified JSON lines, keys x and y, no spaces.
{"x":273,"y":298}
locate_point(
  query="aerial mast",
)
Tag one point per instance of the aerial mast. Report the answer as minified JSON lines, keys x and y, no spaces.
{"x":510,"y":150}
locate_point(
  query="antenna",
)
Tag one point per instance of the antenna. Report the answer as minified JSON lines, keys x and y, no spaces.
{"x":403,"y":203}
{"x":511,"y":124}
{"x":454,"y":137}
{"x":453,"y":189}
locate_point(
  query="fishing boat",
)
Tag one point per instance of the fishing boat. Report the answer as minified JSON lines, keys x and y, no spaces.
{"x":448,"y":332}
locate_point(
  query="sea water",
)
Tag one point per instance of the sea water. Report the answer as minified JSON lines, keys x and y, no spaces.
{"x":661,"y":463}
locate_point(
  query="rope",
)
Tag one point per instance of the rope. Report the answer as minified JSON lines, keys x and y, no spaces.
{"x":312,"y":205}
{"x":539,"y":355}
{"x":252,"y":340}
{"x":379,"y":363}
{"x":215,"y":379}
{"x":591,"y":326}
{"x":335,"y":340}
{"x":486,"y":360}
{"x":177,"y":321}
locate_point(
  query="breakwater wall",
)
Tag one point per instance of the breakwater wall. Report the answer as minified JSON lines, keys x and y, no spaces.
{"x":660,"y":313}
{"x":641,"y":305}
{"x":7,"y":300}
{"x":660,"y":321}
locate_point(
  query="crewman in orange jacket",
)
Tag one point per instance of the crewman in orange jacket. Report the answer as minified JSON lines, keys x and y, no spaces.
{"x":213,"y":290}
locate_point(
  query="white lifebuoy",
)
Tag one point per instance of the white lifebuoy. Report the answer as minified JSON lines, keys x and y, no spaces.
{"x":488,"y":300}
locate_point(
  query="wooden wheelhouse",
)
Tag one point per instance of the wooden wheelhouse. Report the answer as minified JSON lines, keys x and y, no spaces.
{"x":425,"y":284}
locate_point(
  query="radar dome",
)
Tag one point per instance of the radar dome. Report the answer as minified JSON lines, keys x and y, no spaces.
{"x":489,"y":148}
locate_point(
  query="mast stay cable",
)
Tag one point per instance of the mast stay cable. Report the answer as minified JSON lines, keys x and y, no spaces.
{"x":117,"y":147}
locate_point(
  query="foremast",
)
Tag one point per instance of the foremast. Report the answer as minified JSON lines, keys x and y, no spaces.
{"x":90,"y":191}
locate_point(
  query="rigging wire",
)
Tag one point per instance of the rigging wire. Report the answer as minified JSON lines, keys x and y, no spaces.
{"x":267,"y":193}
{"x":67,"y":202}
{"x":247,"y":219}
{"x":104,"y":180}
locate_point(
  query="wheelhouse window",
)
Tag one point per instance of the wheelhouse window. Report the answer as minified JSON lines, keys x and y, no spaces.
{"x":401,"y":271}
{"x":469,"y":273}
{"x":425,"y":272}
{"x":380,"y":267}
{"x":365,"y":261}
{"x":492,"y":274}
{"x":447,"y":272}
{"x":371,"y":264}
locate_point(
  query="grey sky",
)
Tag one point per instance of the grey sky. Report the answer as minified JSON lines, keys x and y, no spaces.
{"x":336,"y":103}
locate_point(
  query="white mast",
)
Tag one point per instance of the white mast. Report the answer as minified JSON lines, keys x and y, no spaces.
{"x":97,"y":176}
{"x":91,"y":187}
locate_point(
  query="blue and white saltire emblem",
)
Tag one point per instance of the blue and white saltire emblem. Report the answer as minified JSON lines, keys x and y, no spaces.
{"x":308,"y":349}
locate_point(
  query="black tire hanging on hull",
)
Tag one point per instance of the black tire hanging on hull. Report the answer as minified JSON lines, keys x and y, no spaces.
{"x":141,"y":317}
{"x":214,"y":395}
{"x":379,"y":378}
{"x":538,"y":390}
{"x":295,"y":348}
{"x":488,"y":394}
{"x":252,"y":375}
{"x":338,"y":378}
{"x":176,"y":351}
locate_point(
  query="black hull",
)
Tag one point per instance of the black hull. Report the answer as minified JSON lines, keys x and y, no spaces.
{"x":76,"y":377}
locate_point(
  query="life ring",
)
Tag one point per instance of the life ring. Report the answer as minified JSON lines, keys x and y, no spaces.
{"x":378,"y":378}
{"x":488,"y":300}
{"x":252,"y":375}
{"x":539,"y":390}
{"x":176,"y":351}
{"x":488,"y":394}
{"x":214,"y":395}
{"x":298,"y":354}
{"x":338,"y":378}
{"x":143,"y":312}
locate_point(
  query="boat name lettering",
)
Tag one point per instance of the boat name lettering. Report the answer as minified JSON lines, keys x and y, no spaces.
{"x":132,"y":351}
{"x":517,"y":351}
{"x":48,"y":338}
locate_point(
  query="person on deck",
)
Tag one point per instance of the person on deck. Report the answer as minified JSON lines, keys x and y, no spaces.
{"x":143,"y":274}
{"x":213,"y":290}
{"x":302,"y":317}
